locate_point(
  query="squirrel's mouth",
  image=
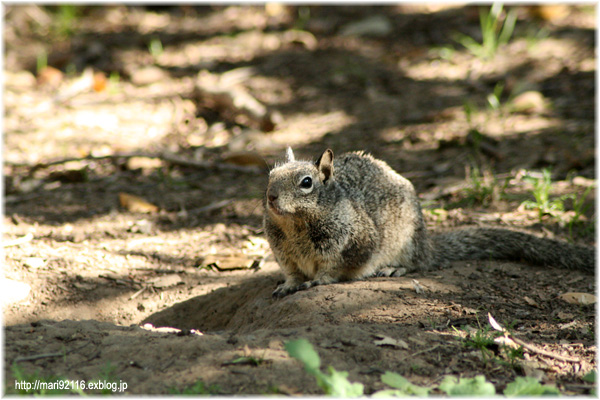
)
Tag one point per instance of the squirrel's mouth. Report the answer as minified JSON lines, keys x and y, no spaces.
{"x":274,"y":208}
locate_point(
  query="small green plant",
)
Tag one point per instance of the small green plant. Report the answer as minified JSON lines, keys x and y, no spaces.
{"x":494,"y":32}
{"x":541,"y":193}
{"x":41,"y":61}
{"x":333,"y":382}
{"x":443,"y":52}
{"x":302,"y":18}
{"x":476,"y":386}
{"x":64,"y":19}
{"x":113,"y":82}
{"x":198,"y":388}
{"x":482,"y":339}
{"x":494,"y":97}
{"x":483,"y":188}
{"x":529,"y":386}
{"x":155,"y":48}
{"x":402,"y":387}
{"x":579,"y":208}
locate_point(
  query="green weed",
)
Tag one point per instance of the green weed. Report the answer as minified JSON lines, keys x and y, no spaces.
{"x":41,"y":61}
{"x":333,"y":382}
{"x":483,"y":187}
{"x":336,"y":383}
{"x":402,"y":387}
{"x":155,"y":48}
{"x":534,"y":36}
{"x":302,"y":18}
{"x":494,"y":97}
{"x":476,"y":386}
{"x":443,"y":52}
{"x":529,"y":386}
{"x":494,"y":32}
{"x":579,"y":208}
{"x":541,"y":193}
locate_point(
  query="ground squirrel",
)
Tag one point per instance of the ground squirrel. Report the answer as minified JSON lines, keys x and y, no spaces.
{"x":355,"y":217}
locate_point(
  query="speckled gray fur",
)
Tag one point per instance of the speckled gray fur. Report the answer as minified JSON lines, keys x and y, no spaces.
{"x":360,"y":218}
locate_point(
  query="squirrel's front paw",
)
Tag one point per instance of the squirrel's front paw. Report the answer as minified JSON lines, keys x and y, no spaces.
{"x":283,"y":290}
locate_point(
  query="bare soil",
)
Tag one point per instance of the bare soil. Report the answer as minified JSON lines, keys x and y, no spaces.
{"x":106,"y":281}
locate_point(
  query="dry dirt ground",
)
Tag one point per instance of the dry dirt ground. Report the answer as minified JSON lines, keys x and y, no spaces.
{"x":390,"y":80}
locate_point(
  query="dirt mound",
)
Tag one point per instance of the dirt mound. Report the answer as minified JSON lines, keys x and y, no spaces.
{"x":248,"y":306}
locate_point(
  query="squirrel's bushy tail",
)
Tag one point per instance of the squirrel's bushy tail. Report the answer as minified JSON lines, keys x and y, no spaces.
{"x":502,"y":244}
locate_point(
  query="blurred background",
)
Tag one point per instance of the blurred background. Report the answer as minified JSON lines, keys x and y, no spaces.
{"x":474,"y":96}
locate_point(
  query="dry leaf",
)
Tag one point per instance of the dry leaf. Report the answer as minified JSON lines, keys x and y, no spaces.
{"x":530,"y":102}
{"x":136,"y":204}
{"x":531,"y":302}
{"x":578,"y":298}
{"x":417,"y":286}
{"x":495,"y":324}
{"x":49,"y":76}
{"x":388,"y":341}
{"x":564,"y":315}
{"x":100,"y":82}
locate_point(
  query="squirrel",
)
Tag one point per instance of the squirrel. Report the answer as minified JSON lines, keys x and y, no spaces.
{"x":355,"y":217}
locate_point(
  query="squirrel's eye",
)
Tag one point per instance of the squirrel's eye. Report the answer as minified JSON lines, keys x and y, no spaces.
{"x":306,"y":182}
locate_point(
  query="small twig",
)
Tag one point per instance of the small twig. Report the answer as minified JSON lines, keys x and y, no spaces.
{"x":120,"y":281}
{"x":169,"y":158}
{"x":136,"y":294}
{"x":425,"y":351}
{"x":18,"y":241}
{"x":49,"y":355}
{"x":526,"y":345}
{"x":534,"y":349}
{"x":37,"y":357}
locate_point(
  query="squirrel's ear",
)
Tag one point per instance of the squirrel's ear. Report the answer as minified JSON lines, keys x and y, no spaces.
{"x":289,"y":155}
{"x":325,"y":165}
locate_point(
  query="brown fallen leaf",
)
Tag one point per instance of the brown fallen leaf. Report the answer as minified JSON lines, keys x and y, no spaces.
{"x":531,"y":302}
{"x":564,"y":315}
{"x":550,"y":12}
{"x":529,"y":102}
{"x":417,"y":286}
{"x":578,"y":298}
{"x":100,"y":82}
{"x":136,"y":204}
{"x":388,"y":341}
{"x":49,"y":76}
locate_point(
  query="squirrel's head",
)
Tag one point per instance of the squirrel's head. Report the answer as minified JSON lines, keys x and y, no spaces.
{"x":294,"y":186}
